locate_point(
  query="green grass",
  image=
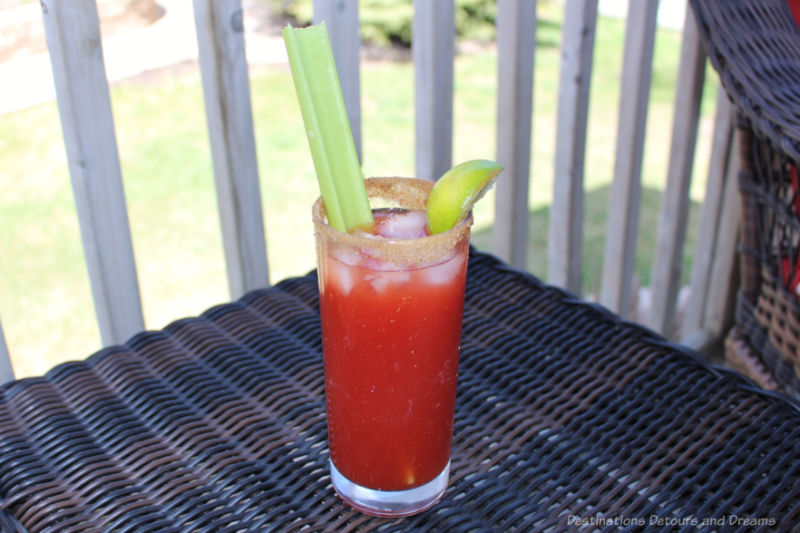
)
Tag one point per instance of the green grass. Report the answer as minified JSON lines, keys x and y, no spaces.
{"x":601,"y":139}
{"x":45,"y":300}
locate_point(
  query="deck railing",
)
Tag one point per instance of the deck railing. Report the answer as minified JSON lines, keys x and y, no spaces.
{"x":73,"y":37}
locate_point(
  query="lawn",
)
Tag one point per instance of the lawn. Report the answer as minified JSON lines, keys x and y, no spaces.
{"x":46,"y":307}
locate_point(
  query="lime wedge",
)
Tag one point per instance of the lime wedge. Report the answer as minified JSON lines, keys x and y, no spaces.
{"x":454,"y":194}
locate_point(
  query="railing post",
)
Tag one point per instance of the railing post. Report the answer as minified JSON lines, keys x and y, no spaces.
{"x":565,"y":241}
{"x":516,"y":40}
{"x":226,"y":87}
{"x":341,"y":19}
{"x":710,"y":228}
{"x":666,"y":272}
{"x":433,"y":50}
{"x":6,"y":368}
{"x":73,"y":38}
{"x":718,"y":311}
{"x":626,"y":189}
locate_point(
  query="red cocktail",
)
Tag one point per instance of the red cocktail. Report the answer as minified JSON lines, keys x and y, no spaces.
{"x":391,"y":307}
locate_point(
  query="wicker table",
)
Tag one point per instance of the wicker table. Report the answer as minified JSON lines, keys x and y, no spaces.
{"x":567,"y":419}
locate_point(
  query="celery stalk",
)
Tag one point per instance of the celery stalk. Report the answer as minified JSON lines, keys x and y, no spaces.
{"x":327,"y":127}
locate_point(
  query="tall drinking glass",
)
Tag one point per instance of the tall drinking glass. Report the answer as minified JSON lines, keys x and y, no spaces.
{"x":391,"y":310}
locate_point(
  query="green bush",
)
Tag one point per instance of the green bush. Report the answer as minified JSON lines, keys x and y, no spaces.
{"x":388,"y":22}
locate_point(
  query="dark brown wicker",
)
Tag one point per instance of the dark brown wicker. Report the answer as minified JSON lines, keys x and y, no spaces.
{"x":755,"y":47}
{"x":567,"y":419}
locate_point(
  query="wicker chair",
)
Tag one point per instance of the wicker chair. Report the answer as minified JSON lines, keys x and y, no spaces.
{"x":755,"y":47}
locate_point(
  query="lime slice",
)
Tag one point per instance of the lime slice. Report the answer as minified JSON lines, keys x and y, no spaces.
{"x":454,"y":194}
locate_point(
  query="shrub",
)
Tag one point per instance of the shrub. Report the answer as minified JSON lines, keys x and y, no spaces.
{"x":388,"y":22}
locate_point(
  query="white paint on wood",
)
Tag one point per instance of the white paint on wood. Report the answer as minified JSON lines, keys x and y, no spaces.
{"x":341,"y":19}
{"x":665,"y":275}
{"x":722,"y":289}
{"x":626,"y":189}
{"x":516,"y":41}
{"x":433,"y":45}
{"x":226,"y":88}
{"x":84,"y":104}
{"x":6,"y":369}
{"x":711,"y":210}
{"x":565,"y":241}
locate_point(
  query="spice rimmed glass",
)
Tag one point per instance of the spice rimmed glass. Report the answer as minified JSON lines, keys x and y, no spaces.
{"x":391,"y":328}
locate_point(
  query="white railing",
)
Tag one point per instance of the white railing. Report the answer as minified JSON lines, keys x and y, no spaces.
{"x":73,"y":36}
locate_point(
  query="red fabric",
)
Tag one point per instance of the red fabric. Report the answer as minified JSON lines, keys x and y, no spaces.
{"x":794,"y":5}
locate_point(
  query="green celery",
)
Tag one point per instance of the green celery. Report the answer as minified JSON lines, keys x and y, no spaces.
{"x":328,"y":127}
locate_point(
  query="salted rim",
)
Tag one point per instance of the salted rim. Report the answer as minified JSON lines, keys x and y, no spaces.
{"x":409,"y":193}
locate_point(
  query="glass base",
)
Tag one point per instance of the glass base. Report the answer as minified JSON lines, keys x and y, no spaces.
{"x":390,"y":503}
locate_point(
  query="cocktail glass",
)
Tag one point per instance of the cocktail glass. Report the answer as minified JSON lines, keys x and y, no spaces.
{"x":391,"y":328}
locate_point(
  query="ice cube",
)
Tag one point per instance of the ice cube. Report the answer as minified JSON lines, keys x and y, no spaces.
{"x":378,"y":282}
{"x":402,"y":225}
{"x":444,"y":273}
{"x":339,"y":277}
{"x":381,"y":280}
{"x":339,"y":265}
{"x":380,"y":264}
{"x":345,"y":254}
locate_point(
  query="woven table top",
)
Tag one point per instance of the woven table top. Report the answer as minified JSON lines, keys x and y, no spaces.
{"x":566,"y":418}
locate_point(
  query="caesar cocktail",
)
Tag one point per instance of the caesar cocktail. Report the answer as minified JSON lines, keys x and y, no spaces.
{"x":392,"y":257}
